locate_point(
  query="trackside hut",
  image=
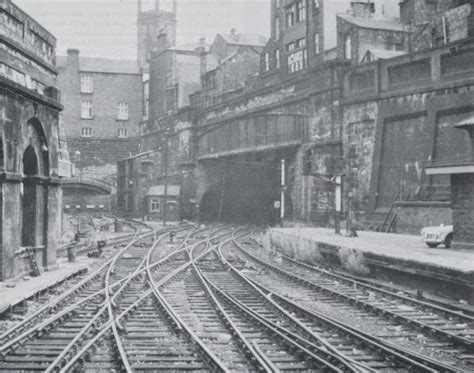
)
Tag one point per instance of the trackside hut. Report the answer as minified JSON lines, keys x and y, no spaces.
{"x":155,"y":202}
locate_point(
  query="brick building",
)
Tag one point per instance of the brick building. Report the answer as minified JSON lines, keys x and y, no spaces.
{"x":103,"y":108}
{"x":176,"y":74}
{"x":32,"y":159}
{"x":379,"y":123}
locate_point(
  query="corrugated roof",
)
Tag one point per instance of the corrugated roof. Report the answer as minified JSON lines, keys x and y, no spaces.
{"x":392,"y":24}
{"x":159,"y":190}
{"x":103,"y":65}
{"x":245,"y":39}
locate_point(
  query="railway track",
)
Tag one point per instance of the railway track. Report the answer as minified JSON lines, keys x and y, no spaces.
{"x":131,"y":309}
{"x":389,"y":318}
{"x":61,"y":292}
{"x":36,"y":342}
{"x":207,"y":302}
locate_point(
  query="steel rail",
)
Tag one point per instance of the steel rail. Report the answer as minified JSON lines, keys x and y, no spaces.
{"x":436,"y":331}
{"x":427,"y":362}
{"x":66,"y":354}
{"x":388,"y":293}
{"x":78,"y":355}
{"x":251,"y":348}
{"x":63,"y":313}
{"x":424,"y":363}
{"x":12,"y":333}
{"x":330,"y":351}
{"x":211,"y":358}
{"x":273,"y":329}
{"x":252,"y":353}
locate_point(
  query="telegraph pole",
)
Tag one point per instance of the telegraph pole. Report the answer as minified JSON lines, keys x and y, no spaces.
{"x":165,"y":197}
{"x":282,"y":192}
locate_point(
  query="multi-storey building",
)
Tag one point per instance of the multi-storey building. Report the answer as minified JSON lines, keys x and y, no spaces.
{"x":176,"y":72}
{"x":103,"y":108}
{"x":32,"y":160}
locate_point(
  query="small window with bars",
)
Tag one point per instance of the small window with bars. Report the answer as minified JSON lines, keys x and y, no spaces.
{"x":86,"y":132}
{"x":122,"y":133}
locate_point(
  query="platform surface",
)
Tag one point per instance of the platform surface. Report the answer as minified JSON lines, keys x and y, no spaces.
{"x":396,"y":246}
{"x":14,"y":291}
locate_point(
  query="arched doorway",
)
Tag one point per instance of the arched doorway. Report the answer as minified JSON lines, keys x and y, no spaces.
{"x":29,"y":200}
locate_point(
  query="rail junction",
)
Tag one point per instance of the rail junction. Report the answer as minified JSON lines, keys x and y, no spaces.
{"x":215,"y":299}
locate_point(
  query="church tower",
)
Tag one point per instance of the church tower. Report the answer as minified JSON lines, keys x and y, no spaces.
{"x":154,"y":19}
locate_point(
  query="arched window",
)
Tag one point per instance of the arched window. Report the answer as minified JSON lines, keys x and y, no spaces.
{"x":266,"y":62}
{"x":277,"y":59}
{"x":348,"y":47}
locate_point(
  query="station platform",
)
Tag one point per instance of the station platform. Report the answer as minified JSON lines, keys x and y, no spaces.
{"x":395,"y":257}
{"x":17,"y":290}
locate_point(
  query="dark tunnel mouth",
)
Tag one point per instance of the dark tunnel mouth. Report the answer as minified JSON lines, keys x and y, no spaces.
{"x":244,"y":196}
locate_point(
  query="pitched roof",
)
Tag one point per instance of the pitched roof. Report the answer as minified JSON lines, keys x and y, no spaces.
{"x":159,"y":190}
{"x":245,"y":39}
{"x":189,"y":47}
{"x":103,"y":65}
{"x":392,"y":24}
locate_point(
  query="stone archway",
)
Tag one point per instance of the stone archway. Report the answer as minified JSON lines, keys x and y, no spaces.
{"x":29,"y":198}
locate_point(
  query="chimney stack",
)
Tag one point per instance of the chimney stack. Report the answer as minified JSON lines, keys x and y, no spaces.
{"x":162,"y":41}
{"x":362,"y":8}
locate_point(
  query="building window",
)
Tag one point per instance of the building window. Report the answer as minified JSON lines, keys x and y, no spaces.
{"x":290,"y":46}
{"x":316,"y":43}
{"x":290,"y":15}
{"x":300,"y":11}
{"x":146,"y":97}
{"x":300,"y":43}
{"x":122,"y":133}
{"x":277,"y":59}
{"x":348,"y":47}
{"x":122,"y":111}
{"x":315,"y":7}
{"x":154,"y":205}
{"x":266,"y":63}
{"x":87,"y":83}
{"x":86,"y":109}
{"x":277,"y":28}
{"x":86,"y":132}
{"x":297,"y":61}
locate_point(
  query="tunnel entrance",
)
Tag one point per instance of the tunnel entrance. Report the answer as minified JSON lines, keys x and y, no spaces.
{"x":245,"y":192}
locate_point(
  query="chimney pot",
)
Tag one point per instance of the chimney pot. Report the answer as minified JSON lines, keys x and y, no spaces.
{"x":233,"y":31}
{"x":72,"y":52}
{"x":362,"y":8}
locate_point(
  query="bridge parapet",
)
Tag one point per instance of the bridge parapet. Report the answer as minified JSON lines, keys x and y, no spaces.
{"x":82,"y":182}
{"x":254,"y":133}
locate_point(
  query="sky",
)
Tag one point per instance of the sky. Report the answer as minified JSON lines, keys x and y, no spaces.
{"x":107,"y":28}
